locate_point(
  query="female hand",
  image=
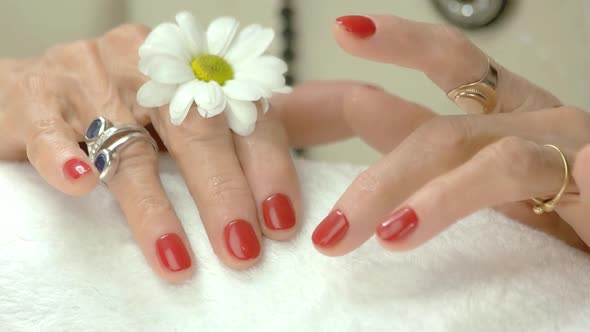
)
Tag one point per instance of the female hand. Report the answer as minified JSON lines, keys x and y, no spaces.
{"x":439,"y":169}
{"x":244,"y":187}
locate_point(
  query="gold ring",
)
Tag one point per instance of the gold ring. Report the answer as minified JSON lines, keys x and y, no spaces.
{"x":542,"y":206}
{"x":478,"y":97}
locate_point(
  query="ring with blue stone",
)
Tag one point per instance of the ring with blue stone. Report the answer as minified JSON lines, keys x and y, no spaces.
{"x":105,"y":142}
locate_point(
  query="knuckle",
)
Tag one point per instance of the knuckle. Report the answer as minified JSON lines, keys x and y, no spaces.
{"x":446,"y":132}
{"x":85,"y":47}
{"x":37,"y":85}
{"x":356,"y":97}
{"x":150,"y":206}
{"x":185,"y":135}
{"x":451,"y":35}
{"x":514,"y":158}
{"x":43,"y":128}
{"x":226,"y":188}
{"x":109,"y":100}
{"x":136,"y":157}
{"x":367,"y":181}
{"x":82,"y":53}
{"x":129,"y":31}
{"x":153,"y":203}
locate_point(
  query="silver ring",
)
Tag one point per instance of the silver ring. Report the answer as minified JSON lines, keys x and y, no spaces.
{"x":105,"y":143}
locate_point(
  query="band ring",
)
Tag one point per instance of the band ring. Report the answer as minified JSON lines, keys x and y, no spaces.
{"x":542,"y":206}
{"x":478,"y":97}
{"x":105,"y":143}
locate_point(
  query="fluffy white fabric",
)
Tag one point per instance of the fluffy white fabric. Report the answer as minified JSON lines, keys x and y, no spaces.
{"x":70,"y":264}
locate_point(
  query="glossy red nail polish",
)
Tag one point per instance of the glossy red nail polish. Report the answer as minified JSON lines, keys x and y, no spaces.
{"x":278,"y":212}
{"x":331,"y":230}
{"x":172,"y":253}
{"x":241,"y":240}
{"x":399,"y":225}
{"x":360,"y":26}
{"x":75,"y":168}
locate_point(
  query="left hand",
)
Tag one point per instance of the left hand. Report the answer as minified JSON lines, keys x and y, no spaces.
{"x":440,"y":169}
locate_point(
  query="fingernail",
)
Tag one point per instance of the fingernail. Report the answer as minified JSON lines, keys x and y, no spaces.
{"x":331,"y":230}
{"x":172,"y":253}
{"x":75,"y":168}
{"x":399,"y":225}
{"x":278,"y":212}
{"x":360,"y":26}
{"x":241,"y":240}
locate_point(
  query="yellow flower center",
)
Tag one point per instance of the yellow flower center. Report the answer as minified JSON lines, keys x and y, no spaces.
{"x":209,"y":67}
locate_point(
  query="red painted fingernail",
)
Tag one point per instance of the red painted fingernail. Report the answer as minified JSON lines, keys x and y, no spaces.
{"x":172,"y":253}
{"x":399,"y":225}
{"x":331,"y":230}
{"x":360,"y":26}
{"x":241,"y":240}
{"x":278,"y":212}
{"x":75,"y":168}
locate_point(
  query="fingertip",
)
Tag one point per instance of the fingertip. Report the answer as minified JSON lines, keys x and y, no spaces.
{"x":178,"y":277}
{"x":394,"y":234}
{"x":399,"y":246}
{"x":241,"y":245}
{"x":358,"y":27}
{"x":174,"y":257}
{"x":329,"y":235}
{"x":279,"y":217}
{"x":78,"y":176}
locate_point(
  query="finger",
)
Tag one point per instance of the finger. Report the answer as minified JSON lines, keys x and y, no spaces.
{"x":204,"y":151}
{"x":267,"y":164}
{"x":323,"y":112}
{"x":150,"y":214}
{"x":137,"y":187}
{"x":444,"y":54}
{"x":510,"y":170}
{"x":582,"y":173}
{"x":435,"y":148}
{"x":136,"y":184}
{"x":52,"y":148}
{"x":312,"y":113}
{"x":51,"y":144}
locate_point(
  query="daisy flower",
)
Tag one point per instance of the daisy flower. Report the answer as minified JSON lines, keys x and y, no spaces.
{"x":219,"y":70}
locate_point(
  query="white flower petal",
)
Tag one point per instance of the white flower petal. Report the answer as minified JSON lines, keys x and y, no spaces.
{"x":165,"y":39}
{"x":265,"y":105}
{"x":220,"y":35}
{"x":242,"y":90}
{"x":252,"y":42}
{"x":284,"y":90}
{"x":267,"y":79}
{"x":265,"y":62}
{"x":192,"y":32}
{"x":167,"y":70}
{"x":210,"y":99}
{"x":154,"y":94}
{"x":144,"y":64}
{"x":182,"y":102}
{"x":241,"y":116}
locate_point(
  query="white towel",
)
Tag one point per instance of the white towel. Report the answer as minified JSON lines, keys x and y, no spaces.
{"x":70,"y":264}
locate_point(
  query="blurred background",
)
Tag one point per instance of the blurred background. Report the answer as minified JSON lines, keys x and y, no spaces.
{"x":547,"y":41}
